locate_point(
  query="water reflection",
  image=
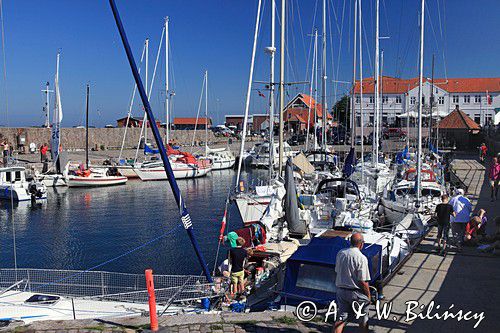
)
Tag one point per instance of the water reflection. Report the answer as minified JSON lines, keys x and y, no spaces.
{"x":79,"y":228}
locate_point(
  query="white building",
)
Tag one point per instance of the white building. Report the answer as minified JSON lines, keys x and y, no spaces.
{"x":479,"y":98}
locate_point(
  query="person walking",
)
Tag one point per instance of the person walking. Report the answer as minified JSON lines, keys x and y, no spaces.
{"x":494,"y":178}
{"x":352,"y":280}
{"x":482,"y":152}
{"x":443,"y":213}
{"x":462,"y":208}
{"x":237,"y":256}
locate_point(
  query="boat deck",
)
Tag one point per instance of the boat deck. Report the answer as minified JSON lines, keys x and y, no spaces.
{"x":467,"y":279}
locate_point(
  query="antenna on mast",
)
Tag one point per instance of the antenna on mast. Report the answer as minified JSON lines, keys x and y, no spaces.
{"x":46,"y":108}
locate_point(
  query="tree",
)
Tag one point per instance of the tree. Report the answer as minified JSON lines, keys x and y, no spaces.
{"x":342,"y":110}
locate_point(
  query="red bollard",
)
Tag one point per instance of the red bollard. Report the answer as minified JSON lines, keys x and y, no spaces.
{"x":153,"y":316}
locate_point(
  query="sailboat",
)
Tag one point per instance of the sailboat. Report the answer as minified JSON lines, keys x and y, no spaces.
{"x":220,"y":158}
{"x":55,"y":177}
{"x":80,"y":175}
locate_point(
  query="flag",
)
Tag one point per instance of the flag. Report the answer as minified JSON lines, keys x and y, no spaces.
{"x":489,"y":98}
{"x":261,"y":94}
{"x":350,"y":160}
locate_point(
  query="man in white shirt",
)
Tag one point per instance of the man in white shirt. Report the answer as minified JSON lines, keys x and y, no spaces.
{"x":462,"y":208}
{"x":352,"y":280}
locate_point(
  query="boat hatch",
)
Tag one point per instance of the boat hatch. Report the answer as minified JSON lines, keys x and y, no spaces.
{"x":42,"y":299}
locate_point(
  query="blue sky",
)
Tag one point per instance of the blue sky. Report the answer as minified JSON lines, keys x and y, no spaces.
{"x":217,"y":35}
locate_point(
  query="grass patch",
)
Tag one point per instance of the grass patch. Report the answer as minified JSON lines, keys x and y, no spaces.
{"x":286,"y":320}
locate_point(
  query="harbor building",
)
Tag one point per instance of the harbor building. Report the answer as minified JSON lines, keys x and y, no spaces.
{"x":478,"y":98}
{"x":192,"y":123}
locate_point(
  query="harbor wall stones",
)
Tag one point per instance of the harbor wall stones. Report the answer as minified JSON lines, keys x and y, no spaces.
{"x":109,"y":138}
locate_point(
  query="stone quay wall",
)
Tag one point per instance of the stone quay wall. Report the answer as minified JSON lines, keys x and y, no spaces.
{"x":109,"y":138}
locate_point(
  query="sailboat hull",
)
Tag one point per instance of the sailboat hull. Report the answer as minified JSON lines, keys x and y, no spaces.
{"x":76,"y":181}
{"x":180,"y":172}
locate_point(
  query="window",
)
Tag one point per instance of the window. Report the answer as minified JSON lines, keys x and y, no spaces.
{"x":477,"y":99}
{"x":488,"y":119}
{"x":372,"y":99}
{"x":8,"y":177}
{"x":357,"y":99}
{"x":372,"y":120}
{"x":412,"y":100}
{"x":398,"y":99}
{"x":477,"y":118}
{"x":441,"y":100}
{"x":466,"y":99}
{"x":358,"y":121}
{"x":455,"y":99}
{"x":18,"y":176}
{"x":385,"y":99}
{"x":423,"y":99}
{"x":316,"y":277}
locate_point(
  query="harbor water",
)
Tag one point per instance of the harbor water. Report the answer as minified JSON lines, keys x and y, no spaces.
{"x":79,"y":228}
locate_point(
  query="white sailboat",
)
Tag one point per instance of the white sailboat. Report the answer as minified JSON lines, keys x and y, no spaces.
{"x":221,"y":158}
{"x":55,"y":177}
{"x":84,"y":176}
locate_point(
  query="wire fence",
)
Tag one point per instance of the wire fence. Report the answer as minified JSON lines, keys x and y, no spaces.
{"x":102,"y":285}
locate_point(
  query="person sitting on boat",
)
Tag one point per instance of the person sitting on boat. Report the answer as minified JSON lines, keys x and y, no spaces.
{"x":237,"y":257}
{"x":462,"y":208}
{"x":443,"y":213}
{"x":352,"y":280}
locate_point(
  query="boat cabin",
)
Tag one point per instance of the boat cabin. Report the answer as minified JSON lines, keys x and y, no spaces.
{"x":310,"y":271}
{"x":425,"y":175}
{"x":12,"y":175}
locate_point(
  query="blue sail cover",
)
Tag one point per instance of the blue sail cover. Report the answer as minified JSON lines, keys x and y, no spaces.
{"x":310,"y":271}
{"x":149,"y":150}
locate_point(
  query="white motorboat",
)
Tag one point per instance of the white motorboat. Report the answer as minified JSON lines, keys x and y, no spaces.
{"x":221,"y":158}
{"x":13,"y":185}
{"x":156,"y":171}
{"x":259,"y":157}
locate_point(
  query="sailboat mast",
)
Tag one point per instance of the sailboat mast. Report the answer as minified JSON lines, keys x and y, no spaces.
{"x":185,"y":217}
{"x":47,"y":92}
{"x":420,"y":104}
{"x":315,"y":89}
{"x":311,"y":84}
{"x":323,"y":83}
{"x":145,"y":121}
{"x":249,"y":90}
{"x":272,"y":51}
{"x":353,"y":105}
{"x":361,"y":90}
{"x":206,"y":113}
{"x":377,"y":106}
{"x":431,"y":104}
{"x":87,"y":128}
{"x":282,"y":85}
{"x":167,"y":111}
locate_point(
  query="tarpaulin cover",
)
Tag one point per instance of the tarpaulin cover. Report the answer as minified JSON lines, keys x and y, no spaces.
{"x":318,"y":258}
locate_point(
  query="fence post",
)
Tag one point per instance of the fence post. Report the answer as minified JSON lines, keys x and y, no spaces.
{"x":153,"y":316}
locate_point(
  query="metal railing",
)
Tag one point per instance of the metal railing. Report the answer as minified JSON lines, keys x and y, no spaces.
{"x":101,"y":285}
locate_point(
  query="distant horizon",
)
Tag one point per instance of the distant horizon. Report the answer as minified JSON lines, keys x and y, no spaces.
{"x":217,"y":36}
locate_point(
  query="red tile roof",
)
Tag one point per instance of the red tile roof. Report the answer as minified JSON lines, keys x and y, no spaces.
{"x":457,"y":119}
{"x":192,"y":121}
{"x":392,"y":85}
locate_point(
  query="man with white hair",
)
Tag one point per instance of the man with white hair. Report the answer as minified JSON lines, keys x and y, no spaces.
{"x":463,"y":209}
